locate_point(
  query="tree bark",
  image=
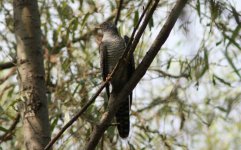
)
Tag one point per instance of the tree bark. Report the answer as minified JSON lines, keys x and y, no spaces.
{"x":31,"y":74}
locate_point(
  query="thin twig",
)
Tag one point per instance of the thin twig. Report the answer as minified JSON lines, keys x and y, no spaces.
{"x":9,"y":74}
{"x":165,"y":74}
{"x":129,"y":44}
{"x":8,"y":65}
{"x":118,"y":12}
{"x":7,"y":135}
{"x":83,"y":109}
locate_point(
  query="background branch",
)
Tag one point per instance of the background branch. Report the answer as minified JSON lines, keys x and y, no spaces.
{"x":83,"y":109}
{"x":8,"y":65}
{"x":118,"y":12}
{"x":166,"y":74}
{"x":7,"y":135}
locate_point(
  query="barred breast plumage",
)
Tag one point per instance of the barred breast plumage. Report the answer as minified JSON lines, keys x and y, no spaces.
{"x":112,"y":48}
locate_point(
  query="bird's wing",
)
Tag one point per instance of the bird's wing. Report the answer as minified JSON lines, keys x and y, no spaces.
{"x":131,"y":64}
{"x":103,"y":65}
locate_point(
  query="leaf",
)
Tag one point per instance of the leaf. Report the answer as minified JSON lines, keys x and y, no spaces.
{"x":222,"y":80}
{"x":151,"y":23}
{"x":221,"y":109}
{"x":136,"y":18}
{"x":66,"y":64}
{"x":231,"y":63}
{"x":198,"y":8}
{"x":85,"y":19}
{"x":234,"y":35}
{"x":218,"y":43}
{"x":236,"y":15}
{"x":54,"y":123}
{"x":3,"y":129}
{"x":131,"y":146}
{"x":206,"y":58}
{"x":214,"y":81}
{"x":55,"y":36}
{"x":169,"y":63}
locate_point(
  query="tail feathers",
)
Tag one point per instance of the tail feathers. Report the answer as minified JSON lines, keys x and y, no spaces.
{"x":123,"y":119}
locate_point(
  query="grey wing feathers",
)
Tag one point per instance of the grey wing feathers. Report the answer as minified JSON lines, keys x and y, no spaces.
{"x":131,"y":65}
{"x":103,"y":65}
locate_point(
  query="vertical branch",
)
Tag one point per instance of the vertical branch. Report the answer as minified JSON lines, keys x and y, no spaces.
{"x":118,"y":12}
{"x":31,"y":74}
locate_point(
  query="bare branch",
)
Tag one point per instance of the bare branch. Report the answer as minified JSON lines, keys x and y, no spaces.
{"x":83,"y":109}
{"x":116,"y":100}
{"x":165,"y":74}
{"x":8,"y":135}
{"x":8,"y":65}
{"x":9,"y":74}
{"x":118,"y":12}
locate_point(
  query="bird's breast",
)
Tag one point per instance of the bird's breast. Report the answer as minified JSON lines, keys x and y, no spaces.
{"x":114,"y":52}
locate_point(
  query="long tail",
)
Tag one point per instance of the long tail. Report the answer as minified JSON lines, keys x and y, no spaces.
{"x":123,"y":119}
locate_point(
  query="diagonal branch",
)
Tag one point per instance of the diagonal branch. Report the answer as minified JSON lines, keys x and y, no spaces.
{"x":8,"y":65}
{"x":9,"y":133}
{"x":83,"y":109}
{"x":115,"y":101}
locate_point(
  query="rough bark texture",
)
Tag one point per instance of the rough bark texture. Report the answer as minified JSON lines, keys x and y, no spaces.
{"x":31,"y":74}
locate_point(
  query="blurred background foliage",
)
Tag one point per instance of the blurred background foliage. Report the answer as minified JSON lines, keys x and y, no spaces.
{"x":189,"y":98}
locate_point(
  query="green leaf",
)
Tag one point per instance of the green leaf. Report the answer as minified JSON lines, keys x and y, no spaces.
{"x":236,"y":15}
{"x":85,"y":19}
{"x":231,"y":63}
{"x":169,"y":63}
{"x":222,"y":80}
{"x":54,"y":123}
{"x":214,"y":81}
{"x":221,"y":109}
{"x":131,"y":146}
{"x":136,"y":18}
{"x":3,"y":129}
{"x":198,"y":8}
{"x":218,"y":43}
{"x":151,"y":23}
{"x":55,"y":36}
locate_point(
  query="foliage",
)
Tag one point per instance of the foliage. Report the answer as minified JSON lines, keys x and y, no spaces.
{"x":191,"y":93}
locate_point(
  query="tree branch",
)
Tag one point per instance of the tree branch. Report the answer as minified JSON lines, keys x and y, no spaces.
{"x":83,"y":109}
{"x":8,"y":65}
{"x":8,"y":75}
{"x":118,"y":12}
{"x":115,"y":101}
{"x":166,"y":74}
{"x":6,"y":136}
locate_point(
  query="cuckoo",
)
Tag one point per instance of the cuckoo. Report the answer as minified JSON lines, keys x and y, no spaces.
{"x":111,"y":49}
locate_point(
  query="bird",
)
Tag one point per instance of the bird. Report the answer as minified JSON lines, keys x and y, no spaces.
{"x":111,"y":48}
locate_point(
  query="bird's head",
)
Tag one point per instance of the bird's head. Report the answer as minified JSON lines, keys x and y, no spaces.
{"x":108,"y":27}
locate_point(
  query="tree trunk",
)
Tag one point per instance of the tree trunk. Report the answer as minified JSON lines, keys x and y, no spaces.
{"x":31,"y":74}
